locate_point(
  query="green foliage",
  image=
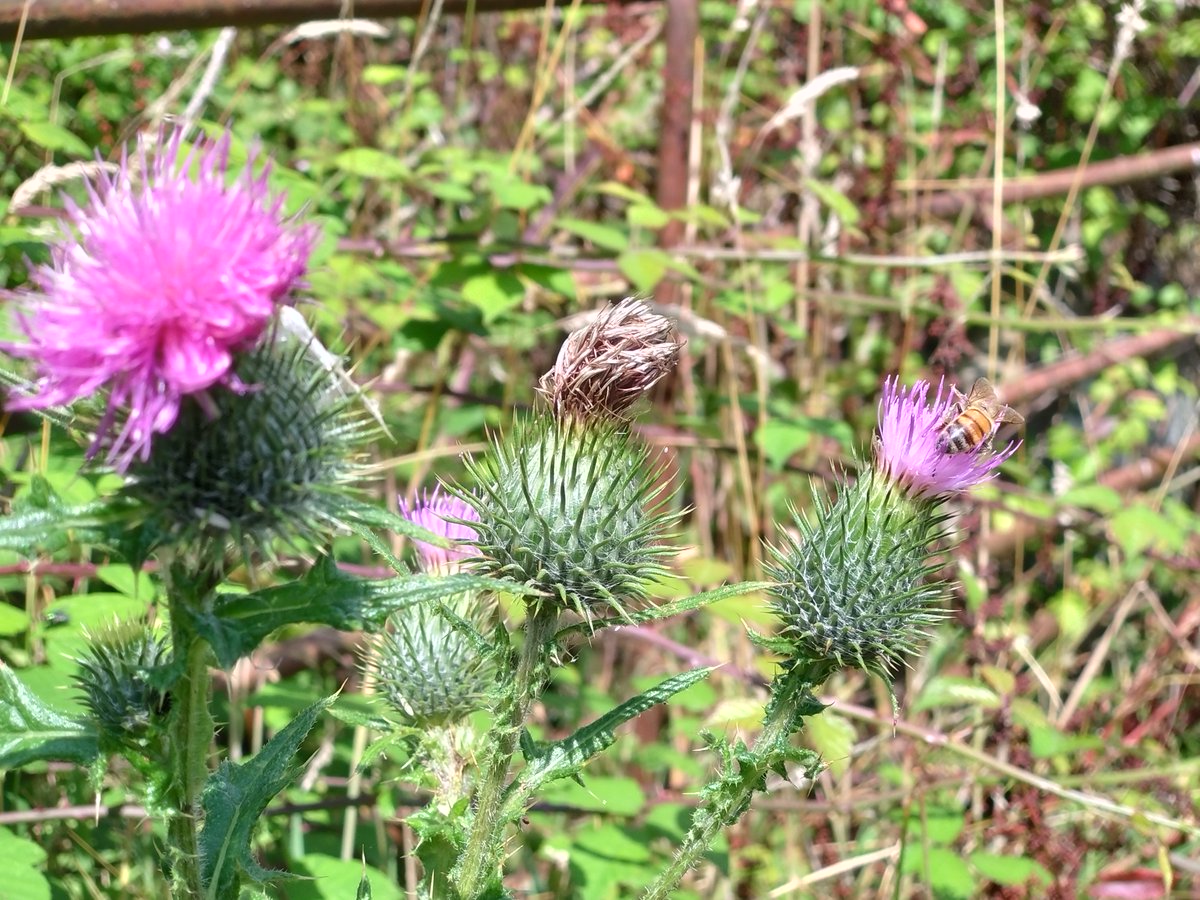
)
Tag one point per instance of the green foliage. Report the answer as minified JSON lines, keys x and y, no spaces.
{"x":237,"y":623}
{"x":566,"y":758}
{"x":30,"y":730}
{"x":233,"y":799}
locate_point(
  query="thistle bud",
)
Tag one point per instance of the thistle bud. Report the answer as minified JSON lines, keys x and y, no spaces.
{"x":854,"y":588}
{"x":604,"y":367}
{"x":571,"y":508}
{"x":261,"y":462}
{"x":429,"y":671}
{"x":114,"y":676}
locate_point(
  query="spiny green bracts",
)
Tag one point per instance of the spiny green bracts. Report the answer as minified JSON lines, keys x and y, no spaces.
{"x":573,"y":508}
{"x":854,"y":589}
{"x":429,"y":669}
{"x":269,"y":462}
{"x":114,"y":676}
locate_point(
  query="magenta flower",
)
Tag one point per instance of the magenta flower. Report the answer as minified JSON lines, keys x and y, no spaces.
{"x":907,"y":448}
{"x":437,"y":512}
{"x":153,"y":288}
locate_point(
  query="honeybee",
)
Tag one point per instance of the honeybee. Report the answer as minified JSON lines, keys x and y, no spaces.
{"x":979,"y":413}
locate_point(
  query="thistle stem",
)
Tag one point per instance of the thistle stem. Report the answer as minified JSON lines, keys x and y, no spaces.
{"x":481,"y":858}
{"x":191,"y":734}
{"x":729,"y":797}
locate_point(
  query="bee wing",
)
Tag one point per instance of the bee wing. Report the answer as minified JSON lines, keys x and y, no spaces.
{"x":1010,"y":415}
{"x":982,"y":393}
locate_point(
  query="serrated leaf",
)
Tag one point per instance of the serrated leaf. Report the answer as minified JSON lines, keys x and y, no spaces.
{"x":30,"y":730}
{"x":238,"y":623}
{"x":234,"y":797}
{"x":566,"y":758}
{"x":666,"y":610}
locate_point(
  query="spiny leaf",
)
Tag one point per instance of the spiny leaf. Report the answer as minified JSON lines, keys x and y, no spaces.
{"x":667,"y":610}
{"x":40,"y":521}
{"x":325,"y":596}
{"x":235,"y":796}
{"x":566,"y":758}
{"x":31,"y":731}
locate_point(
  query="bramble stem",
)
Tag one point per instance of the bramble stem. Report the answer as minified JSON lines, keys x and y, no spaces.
{"x":727,"y":798}
{"x":481,"y":859}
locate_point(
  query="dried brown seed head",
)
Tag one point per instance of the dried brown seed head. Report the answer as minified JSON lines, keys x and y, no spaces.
{"x":605,"y":366}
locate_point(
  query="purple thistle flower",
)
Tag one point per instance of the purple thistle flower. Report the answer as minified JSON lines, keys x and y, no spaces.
{"x":907,"y":448}
{"x":436,"y":512}
{"x":154,"y":286}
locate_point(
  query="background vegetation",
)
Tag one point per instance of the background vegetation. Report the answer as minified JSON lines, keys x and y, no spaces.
{"x":481,"y":178}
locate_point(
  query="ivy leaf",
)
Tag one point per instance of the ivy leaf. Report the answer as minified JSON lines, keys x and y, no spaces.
{"x":233,"y":798}
{"x":566,"y":758}
{"x":325,"y":596}
{"x":31,"y":731}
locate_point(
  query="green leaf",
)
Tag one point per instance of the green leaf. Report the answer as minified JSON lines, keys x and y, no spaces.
{"x":520,"y":195}
{"x":338,"y":879}
{"x":666,"y":610}
{"x":41,"y":522}
{"x":566,"y":758}
{"x":233,"y":798}
{"x":53,"y":137}
{"x":601,"y":235}
{"x":839,"y":204}
{"x":30,"y":730}
{"x":644,"y":268}
{"x":1010,"y":870}
{"x":367,"y":162}
{"x":1137,"y":528}
{"x":832,"y":737}
{"x":23,"y":862}
{"x":494,"y":293}
{"x":325,"y":596}
{"x":947,"y":872}
{"x":12,"y":620}
{"x":612,"y":796}
{"x":1097,"y":497}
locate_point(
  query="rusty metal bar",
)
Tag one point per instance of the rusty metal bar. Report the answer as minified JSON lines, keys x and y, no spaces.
{"x":78,"y":18}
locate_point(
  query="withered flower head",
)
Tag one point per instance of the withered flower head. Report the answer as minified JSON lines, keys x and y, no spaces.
{"x":604,"y":367}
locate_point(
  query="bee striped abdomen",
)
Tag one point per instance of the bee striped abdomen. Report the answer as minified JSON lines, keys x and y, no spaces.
{"x":966,"y":432}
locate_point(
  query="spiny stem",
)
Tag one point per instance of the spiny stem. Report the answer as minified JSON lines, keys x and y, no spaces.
{"x":481,"y":858}
{"x":724,"y":806}
{"x":191,"y":734}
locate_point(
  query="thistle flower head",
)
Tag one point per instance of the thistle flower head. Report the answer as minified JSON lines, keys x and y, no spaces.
{"x":854,"y":589}
{"x":442,"y":514}
{"x":604,"y":367}
{"x":429,"y":670}
{"x":153,"y":288}
{"x":270,"y":462}
{"x":908,"y":450}
{"x":572,"y":508}
{"x":114,"y":677}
